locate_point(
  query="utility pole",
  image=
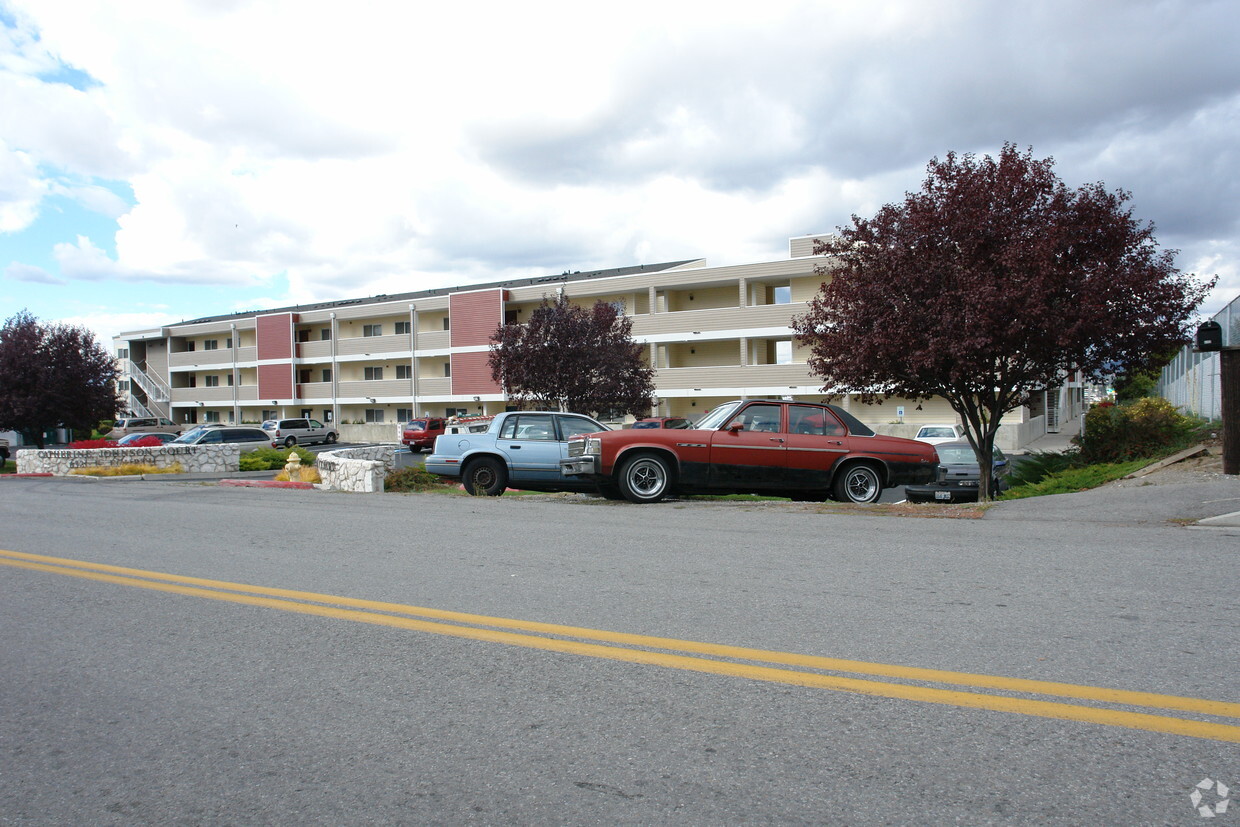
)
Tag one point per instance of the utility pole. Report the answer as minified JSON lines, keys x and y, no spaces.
{"x":1229,"y":378}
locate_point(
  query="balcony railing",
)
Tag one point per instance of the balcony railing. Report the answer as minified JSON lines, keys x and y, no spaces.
{"x":380,"y":389}
{"x":373,"y":344}
{"x":245,"y":393}
{"x":211,"y":358}
{"x":724,"y":318}
{"x":736,"y":376}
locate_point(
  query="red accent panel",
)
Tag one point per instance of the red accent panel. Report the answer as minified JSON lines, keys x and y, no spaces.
{"x":472,"y":375}
{"x":274,"y":335}
{"x":473,"y":317}
{"x":275,"y":382}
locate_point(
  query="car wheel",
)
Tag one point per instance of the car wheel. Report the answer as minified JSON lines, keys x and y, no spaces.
{"x":331,"y":439}
{"x":858,"y":484}
{"x":485,"y":477}
{"x":290,"y":442}
{"x":645,"y":478}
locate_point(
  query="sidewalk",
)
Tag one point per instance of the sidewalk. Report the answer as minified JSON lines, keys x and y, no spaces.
{"x":1055,"y":443}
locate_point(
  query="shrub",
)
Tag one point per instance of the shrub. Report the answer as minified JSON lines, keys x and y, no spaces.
{"x":1071,"y":480}
{"x":91,"y":444}
{"x":1042,"y":464}
{"x":413,"y":478}
{"x":304,"y":474}
{"x":273,"y":459}
{"x":1148,"y":427}
{"x":146,"y":442}
{"x":129,"y":469}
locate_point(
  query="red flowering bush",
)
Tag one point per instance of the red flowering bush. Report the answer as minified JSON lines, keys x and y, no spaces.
{"x":146,"y":442}
{"x":87,"y":444}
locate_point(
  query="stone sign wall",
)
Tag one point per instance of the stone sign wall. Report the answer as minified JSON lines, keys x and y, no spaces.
{"x":214,"y":459}
{"x":360,"y":470}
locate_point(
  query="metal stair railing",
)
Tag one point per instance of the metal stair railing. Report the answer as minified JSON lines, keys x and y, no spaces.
{"x":155,"y":387}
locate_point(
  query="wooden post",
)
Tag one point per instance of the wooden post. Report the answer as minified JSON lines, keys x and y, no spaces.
{"x":1229,"y":378}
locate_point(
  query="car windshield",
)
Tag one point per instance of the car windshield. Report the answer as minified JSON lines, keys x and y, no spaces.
{"x":645,"y":424}
{"x":189,"y":436}
{"x":715,"y":419}
{"x":416,"y":425}
{"x":937,"y":432}
{"x":957,"y":456}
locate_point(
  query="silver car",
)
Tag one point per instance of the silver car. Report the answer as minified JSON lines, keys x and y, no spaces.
{"x":300,"y":431}
{"x":251,"y":437}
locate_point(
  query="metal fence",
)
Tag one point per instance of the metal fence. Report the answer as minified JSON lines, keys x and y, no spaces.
{"x":1191,"y":380}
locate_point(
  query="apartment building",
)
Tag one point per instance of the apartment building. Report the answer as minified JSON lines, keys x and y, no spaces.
{"x":711,"y":333}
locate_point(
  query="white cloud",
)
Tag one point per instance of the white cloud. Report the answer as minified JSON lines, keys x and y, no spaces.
{"x":395,"y":146}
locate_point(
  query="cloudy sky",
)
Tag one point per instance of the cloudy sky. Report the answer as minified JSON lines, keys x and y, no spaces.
{"x":162,"y":160}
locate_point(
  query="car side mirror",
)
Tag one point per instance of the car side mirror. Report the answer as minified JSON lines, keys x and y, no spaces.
{"x":736,"y":426}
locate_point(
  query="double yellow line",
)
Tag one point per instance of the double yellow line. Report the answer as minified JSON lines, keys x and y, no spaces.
{"x":752,"y":664}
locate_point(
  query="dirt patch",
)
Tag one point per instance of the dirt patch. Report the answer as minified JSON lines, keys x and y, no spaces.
{"x":1204,"y":468}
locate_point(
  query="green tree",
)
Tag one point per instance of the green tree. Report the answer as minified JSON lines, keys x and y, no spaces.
{"x":990,"y":283}
{"x":571,"y":358}
{"x":53,"y":376}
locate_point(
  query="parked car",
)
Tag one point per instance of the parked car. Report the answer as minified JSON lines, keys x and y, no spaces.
{"x":290,"y":432}
{"x":795,"y":449}
{"x":935,"y":434}
{"x":130,"y":439}
{"x":145,"y":424}
{"x":420,"y":434}
{"x":250,"y":437}
{"x":662,"y":422}
{"x":521,"y":449}
{"x":959,"y":475}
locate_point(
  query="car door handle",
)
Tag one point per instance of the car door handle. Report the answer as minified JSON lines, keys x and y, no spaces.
{"x":835,"y":442}
{"x":777,"y":439}
{"x":514,"y":447}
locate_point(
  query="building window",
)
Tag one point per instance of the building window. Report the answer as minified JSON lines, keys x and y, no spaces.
{"x":445,"y":323}
{"x":404,"y":414}
{"x":372,"y":374}
{"x":325,"y":335}
{"x":372,"y":330}
{"x":456,"y":411}
{"x":211,"y":381}
{"x":122,"y":353}
{"x":230,"y":379}
{"x":327,"y":374}
{"x":404,"y":372}
{"x":228,"y":343}
{"x":783,"y":353}
{"x":123,"y":385}
{"x":270,"y":414}
{"x":211,"y":416}
{"x":402,"y":327}
{"x":211,"y":344}
{"x":189,"y":347}
{"x":374,"y":414}
{"x":781,"y":295}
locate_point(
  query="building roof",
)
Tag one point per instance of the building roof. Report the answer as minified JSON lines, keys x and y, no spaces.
{"x":385,"y":298}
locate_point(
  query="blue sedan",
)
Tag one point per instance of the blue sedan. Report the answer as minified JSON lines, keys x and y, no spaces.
{"x":521,"y":449}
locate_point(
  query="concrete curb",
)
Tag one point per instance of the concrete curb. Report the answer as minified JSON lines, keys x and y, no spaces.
{"x":1231,"y":520}
{"x":266,"y":484}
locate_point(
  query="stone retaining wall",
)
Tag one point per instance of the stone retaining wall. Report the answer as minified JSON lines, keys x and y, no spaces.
{"x":212,"y":459}
{"x":360,"y":470}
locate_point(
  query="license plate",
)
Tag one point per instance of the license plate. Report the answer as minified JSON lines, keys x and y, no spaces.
{"x":942,"y":495}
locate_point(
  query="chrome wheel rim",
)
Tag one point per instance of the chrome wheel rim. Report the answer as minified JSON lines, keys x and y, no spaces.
{"x":647,"y":478}
{"x":861,"y":485}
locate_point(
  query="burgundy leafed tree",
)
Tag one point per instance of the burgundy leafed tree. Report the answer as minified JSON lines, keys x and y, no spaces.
{"x":569,"y":358}
{"x":53,"y":376}
{"x":993,"y":282}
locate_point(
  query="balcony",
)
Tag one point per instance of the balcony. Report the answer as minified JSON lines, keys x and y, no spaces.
{"x":762,"y":316}
{"x":190,"y":396}
{"x":321,"y":350}
{"x":381,"y":389}
{"x":314,"y":390}
{"x":737,"y":376}
{"x":371,"y":345}
{"x":438,"y":386}
{"x":434,"y":340}
{"x":210,"y":358}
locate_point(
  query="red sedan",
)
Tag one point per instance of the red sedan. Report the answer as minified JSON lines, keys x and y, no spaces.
{"x":794,"y":449}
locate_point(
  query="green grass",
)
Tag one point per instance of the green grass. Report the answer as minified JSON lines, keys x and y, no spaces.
{"x":8,"y":467}
{"x":1072,"y":480}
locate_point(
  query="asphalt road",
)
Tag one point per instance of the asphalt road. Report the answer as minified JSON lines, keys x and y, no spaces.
{"x":129,"y":698}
